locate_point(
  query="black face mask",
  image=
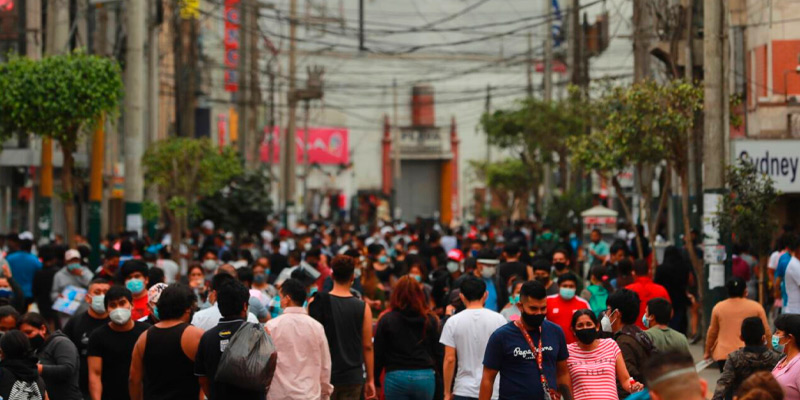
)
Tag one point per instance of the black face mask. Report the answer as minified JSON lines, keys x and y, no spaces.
{"x":533,"y":320}
{"x":36,"y":342}
{"x":560,"y":266}
{"x":586,"y":336}
{"x":384,"y":275}
{"x":544,"y":280}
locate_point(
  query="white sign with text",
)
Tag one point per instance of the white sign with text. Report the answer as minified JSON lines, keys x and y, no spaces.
{"x":780,"y":159}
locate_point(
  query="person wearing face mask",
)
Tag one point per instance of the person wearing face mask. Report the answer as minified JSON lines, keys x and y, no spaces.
{"x":381,"y":264}
{"x":209,"y":317}
{"x":597,"y":249}
{"x":511,"y":311}
{"x":620,"y":319}
{"x":73,"y":274}
{"x":542,"y":273}
{"x":111,"y":345}
{"x":486,"y":270}
{"x":511,"y":267}
{"x":785,"y":340}
{"x":513,"y":348}
{"x":561,"y":306}
{"x":18,"y":368}
{"x":755,"y":356}
{"x":162,"y":362}
{"x":561,"y":264}
{"x":261,"y":281}
{"x":134,"y":275}
{"x":727,"y":317}
{"x":58,"y":358}
{"x":153,"y":294}
{"x":595,"y":365}
{"x":658,"y":313}
{"x":644,"y":287}
{"x":80,"y":327}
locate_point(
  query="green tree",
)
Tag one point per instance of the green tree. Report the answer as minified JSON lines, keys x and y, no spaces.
{"x":60,"y":97}
{"x":242,"y":205}
{"x":185,"y":169}
{"x":510,"y":179}
{"x":745,"y":212}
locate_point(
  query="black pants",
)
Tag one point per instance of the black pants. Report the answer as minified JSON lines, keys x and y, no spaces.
{"x":721,"y":365}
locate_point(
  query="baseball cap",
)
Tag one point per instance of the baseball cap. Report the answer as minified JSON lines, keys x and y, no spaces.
{"x":455,"y":255}
{"x":72,"y":254}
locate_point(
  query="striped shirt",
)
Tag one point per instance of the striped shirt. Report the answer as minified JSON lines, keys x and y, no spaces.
{"x":594,"y":373}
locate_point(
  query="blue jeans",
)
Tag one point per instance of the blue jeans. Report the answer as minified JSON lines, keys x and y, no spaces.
{"x":409,"y":385}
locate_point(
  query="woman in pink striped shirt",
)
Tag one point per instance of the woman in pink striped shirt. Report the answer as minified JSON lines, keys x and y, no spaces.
{"x":595,"y":365}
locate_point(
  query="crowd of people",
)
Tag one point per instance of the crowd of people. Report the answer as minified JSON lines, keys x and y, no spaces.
{"x":411,"y":312}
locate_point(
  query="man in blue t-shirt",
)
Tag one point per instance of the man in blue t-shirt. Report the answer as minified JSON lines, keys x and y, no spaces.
{"x":509,"y":354}
{"x":780,"y":275}
{"x":23,"y":264}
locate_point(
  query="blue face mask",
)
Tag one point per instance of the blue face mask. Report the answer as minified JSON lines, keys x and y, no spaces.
{"x":260,"y":278}
{"x":73,"y":266}
{"x":416,"y":278}
{"x":513,"y":299}
{"x":473,"y":253}
{"x":6,"y":293}
{"x":135,"y":285}
{"x":645,"y":321}
{"x":777,"y":345}
{"x":155,"y":313}
{"x":383,"y":260}
{"x":567,"y":293}
{"x":312,"y":291}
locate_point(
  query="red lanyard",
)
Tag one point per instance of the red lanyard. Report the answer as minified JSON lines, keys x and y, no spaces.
{"x":538,"y":356}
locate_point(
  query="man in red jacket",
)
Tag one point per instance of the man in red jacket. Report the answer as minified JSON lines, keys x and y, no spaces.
{"x":643,"y":286}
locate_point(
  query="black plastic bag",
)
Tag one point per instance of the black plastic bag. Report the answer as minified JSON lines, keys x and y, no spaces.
{"x":248,"y":361}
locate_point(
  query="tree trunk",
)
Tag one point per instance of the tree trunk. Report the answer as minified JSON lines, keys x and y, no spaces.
{"x":762,"y":276}
{"x":662,"y":205}
{"x":627,"y":210}
{"x":687,"y":233}
{"x":68,"y":197}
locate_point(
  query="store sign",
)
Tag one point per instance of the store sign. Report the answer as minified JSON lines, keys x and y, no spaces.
{"x":780,"y":159}
{"x":326,"y":146}
{"x":231,"y":42}
{"x":415,"y":140}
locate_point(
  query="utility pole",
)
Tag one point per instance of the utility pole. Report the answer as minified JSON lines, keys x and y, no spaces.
{"x":576,"y":42}
{"x":530,"y":65}
{"x":288,"y":154}
{"x":271,"y":124}
{"x":306,"y":148}
{"x":548,"y":96}
{"x":641,"y":54}
{"x":487,"y":195}
{"x":134,"y":113}
{"x":256,"y":136}
{"x":153,"y":28}
{"x":395,"y":150}
{"x":33,"y":49}
{"x":361,"y":46}
{"x":714,"y":141}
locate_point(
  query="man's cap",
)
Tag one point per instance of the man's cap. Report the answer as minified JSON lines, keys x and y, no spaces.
{"x":208,"y":224}
{"x":72,"y":254}
{"x":455,"y":255}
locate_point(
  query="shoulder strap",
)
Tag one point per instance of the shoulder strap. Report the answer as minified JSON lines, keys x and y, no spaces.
{"x":537,"y":355}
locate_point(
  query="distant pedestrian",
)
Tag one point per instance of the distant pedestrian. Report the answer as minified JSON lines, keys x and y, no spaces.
{"x":23,"y":264}
{"x":656,"y":320}
{"x":620,"y":319}
{"x":726,"y":320}
{"x":785,"y":340}
{"x":644,"y":286}
{"x":561,"y":306}
{"x":80,"y":327}
{"x":598,"y":290}
{"x":134,"y":275}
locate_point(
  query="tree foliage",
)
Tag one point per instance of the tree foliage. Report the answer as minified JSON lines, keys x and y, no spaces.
{"x":242,"y":206}
{"x":185,"y":169}
{"x":744,"y":212}
{"x":59,"y":97}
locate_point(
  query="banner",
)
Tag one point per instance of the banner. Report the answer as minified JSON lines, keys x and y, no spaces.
{"x":231,"y":43}
{"x":327,"y":146}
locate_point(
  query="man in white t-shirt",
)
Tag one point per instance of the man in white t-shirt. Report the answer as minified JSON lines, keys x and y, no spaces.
{"x":465,"y":336}
{"x":793,"y":281}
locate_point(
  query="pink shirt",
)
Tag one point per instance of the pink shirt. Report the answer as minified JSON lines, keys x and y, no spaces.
{"x":303,"y":371}
{"x":789,"y":378}
{"x":594,"y":373}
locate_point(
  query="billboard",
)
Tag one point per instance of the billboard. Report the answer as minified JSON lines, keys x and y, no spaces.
{"x":327,"y":146}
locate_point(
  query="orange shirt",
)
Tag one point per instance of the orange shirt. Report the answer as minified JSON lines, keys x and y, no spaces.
{"x":647,"y":290}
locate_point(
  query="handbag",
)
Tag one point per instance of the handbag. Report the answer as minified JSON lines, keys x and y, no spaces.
{"x":549,"y":393}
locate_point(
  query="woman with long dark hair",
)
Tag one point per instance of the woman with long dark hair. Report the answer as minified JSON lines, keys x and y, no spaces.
{"x":407,"y":343}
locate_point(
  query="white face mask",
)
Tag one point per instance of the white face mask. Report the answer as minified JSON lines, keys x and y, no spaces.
{"x":357,"y":273}
{"x":452,"y":267}
{"x":120,"y":316}
{"x":98,"y":303}
{"x":488,"y":272}
{"x":210,"y":265}
{"x":605,"y":323}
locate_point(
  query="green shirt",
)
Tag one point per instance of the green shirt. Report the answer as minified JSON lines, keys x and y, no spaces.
{"x":668,"y":339}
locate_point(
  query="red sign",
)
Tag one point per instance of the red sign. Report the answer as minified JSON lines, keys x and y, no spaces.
{"x":327,"y":145}
{"x":231,"y":42}
{"x":6,"y":5}
{"x":558,"y":67}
